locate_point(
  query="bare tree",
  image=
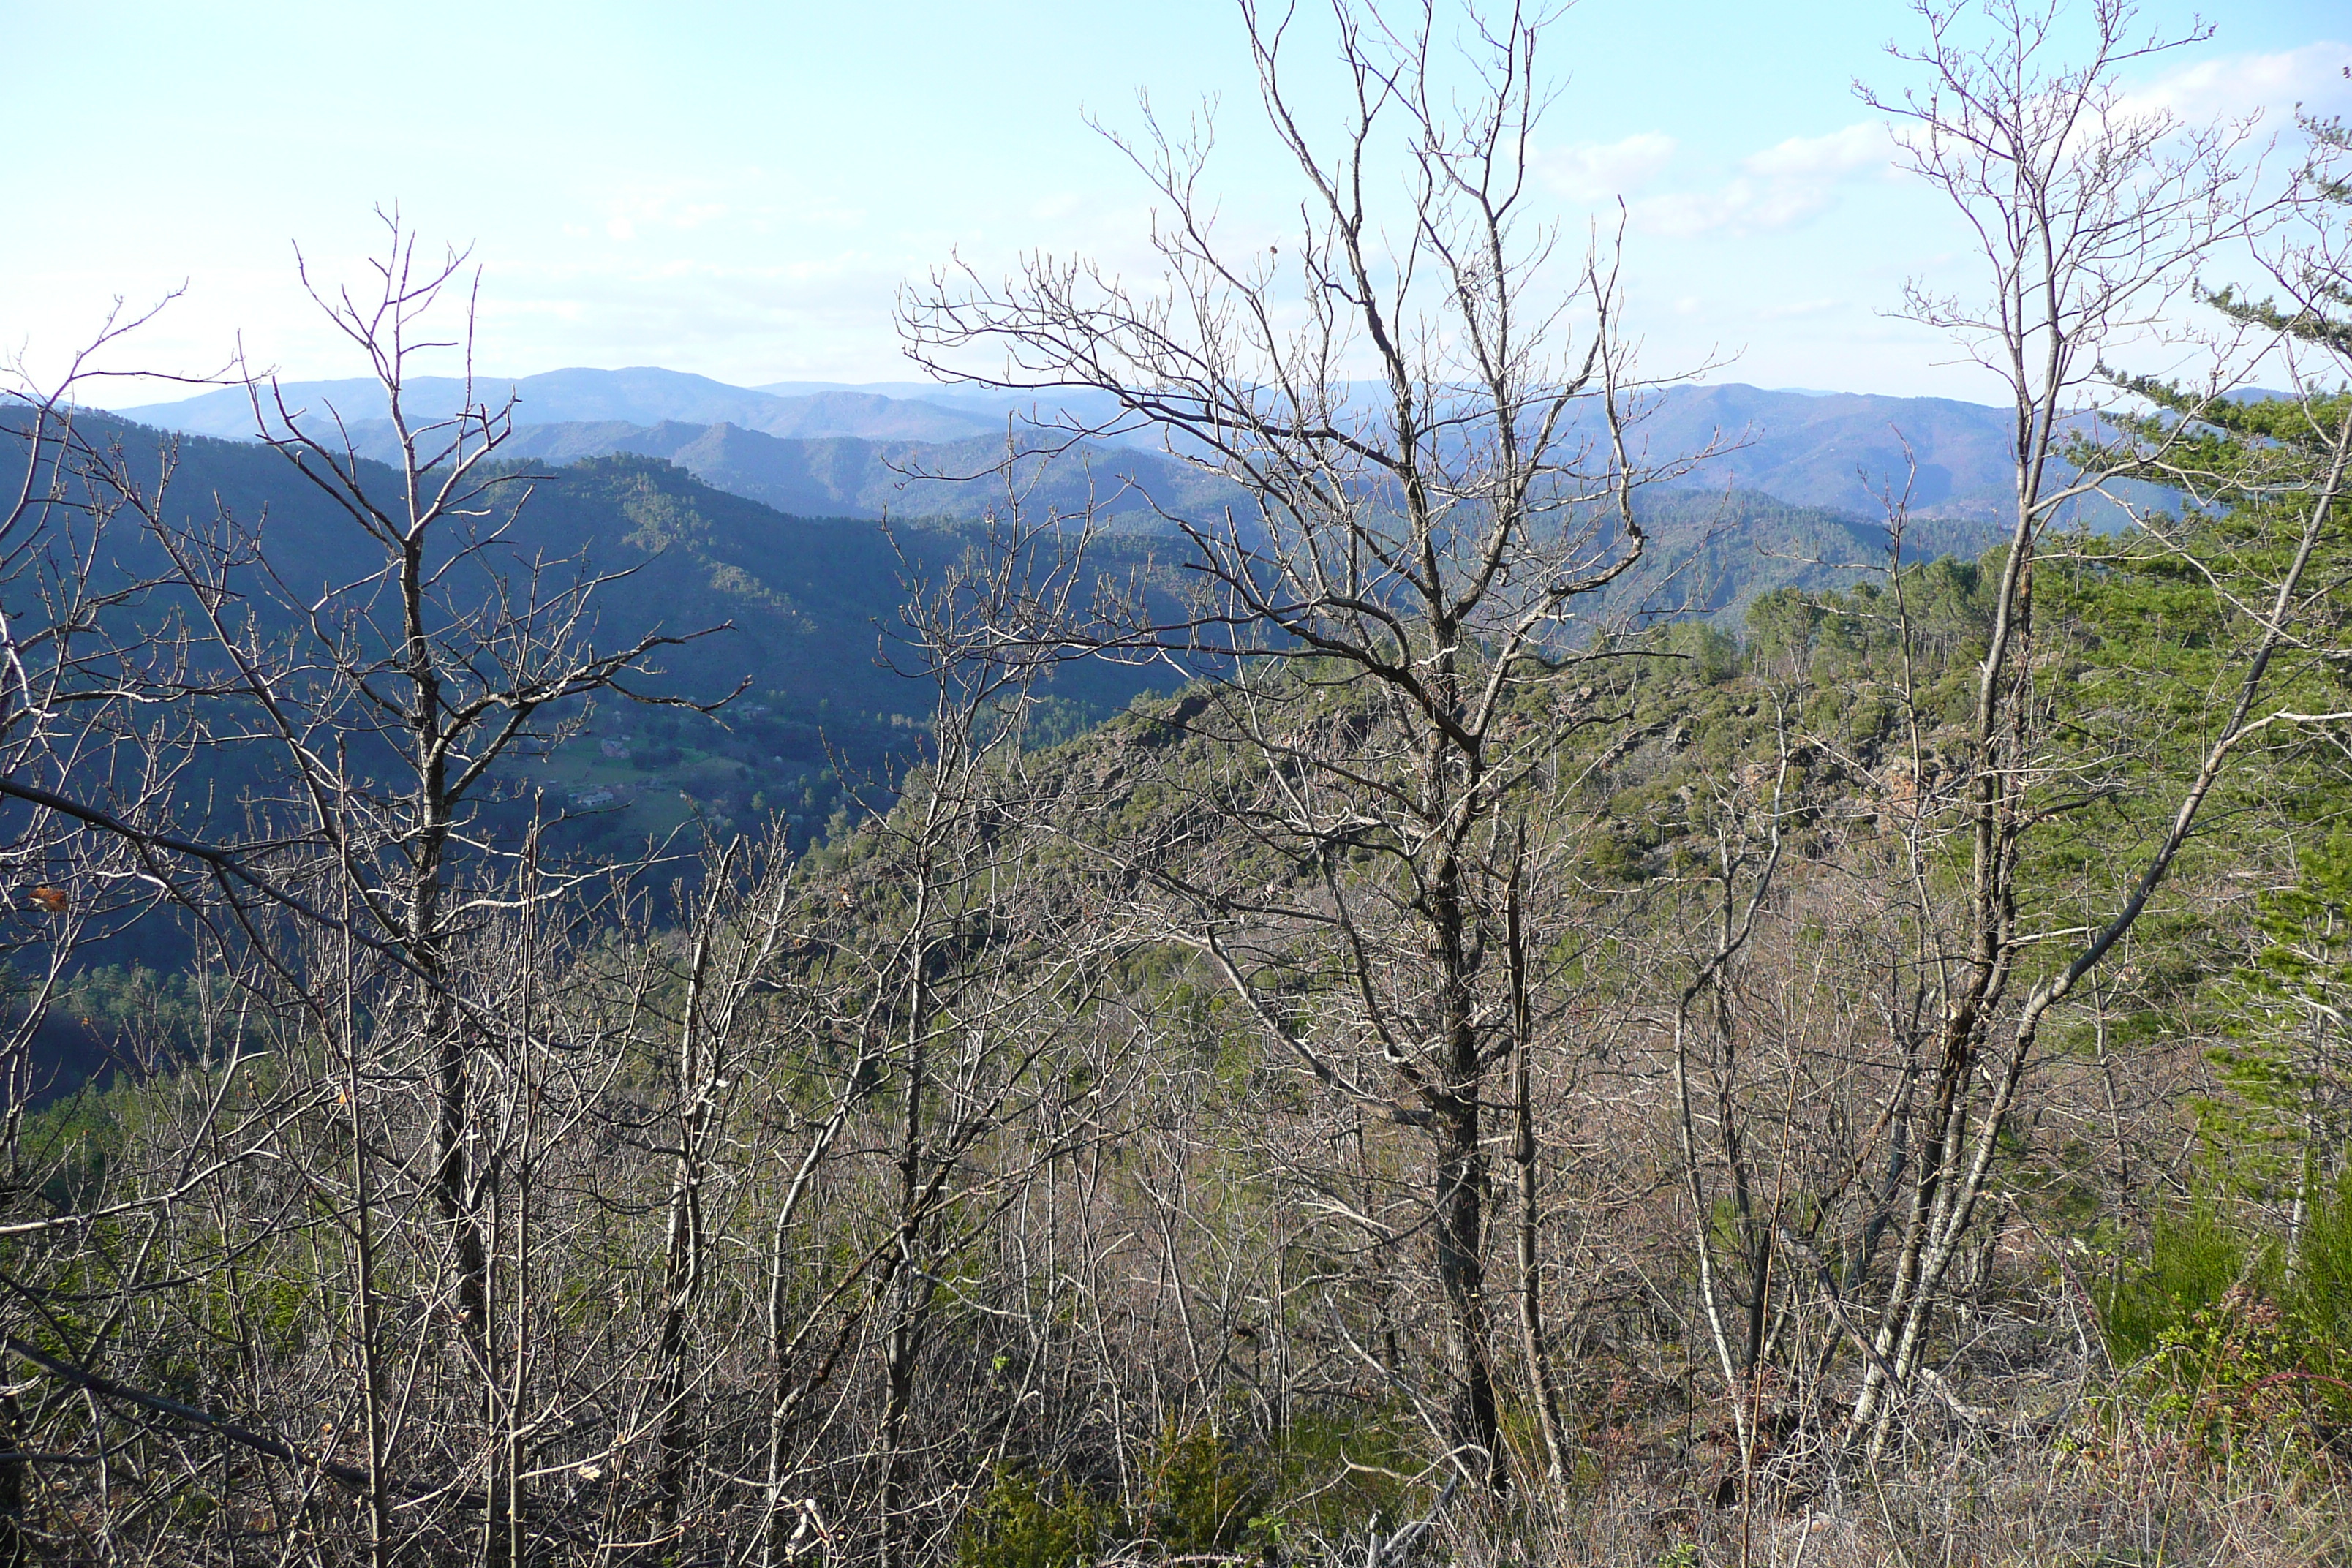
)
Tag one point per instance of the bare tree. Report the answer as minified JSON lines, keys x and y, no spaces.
{"x":356,"y":905}
{"x":1746,"y":849}
{"x":90,"y":764}
{"x":2088,"y":216}
{"x":1425,"y":399}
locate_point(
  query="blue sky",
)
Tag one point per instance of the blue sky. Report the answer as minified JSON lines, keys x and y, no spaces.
{"x":738,"y":189}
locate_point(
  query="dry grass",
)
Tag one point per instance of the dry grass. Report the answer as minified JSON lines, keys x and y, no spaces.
{"x":2127,"y":1498}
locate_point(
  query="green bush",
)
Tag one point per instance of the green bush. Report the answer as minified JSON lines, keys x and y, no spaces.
{"x":2193,"y":1259}
{"x":2228,"y":1378}
{"x":1027,"y":1521}
{"x":2235,"y":1339}
{"x":1201,"y":1495}
{"x":1204,"y":1494}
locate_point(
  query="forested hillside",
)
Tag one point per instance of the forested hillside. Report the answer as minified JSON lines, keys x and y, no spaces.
{"x":787,"y":622}
{"x":1459,"y":988}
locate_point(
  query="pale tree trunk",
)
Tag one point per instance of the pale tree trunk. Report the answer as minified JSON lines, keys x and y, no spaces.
{"x":1543,"y":1381}
{"x":2091,"y":217}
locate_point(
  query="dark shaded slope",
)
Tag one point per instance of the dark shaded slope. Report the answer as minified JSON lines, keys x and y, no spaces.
{"x":808,"y":598}
{"x":815,"y":601}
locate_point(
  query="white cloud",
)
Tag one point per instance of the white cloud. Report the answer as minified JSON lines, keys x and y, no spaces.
{"x":1603,"y":171}
{"x":1781,"y":186}
{"x":1740,"y":206}
{"x":2311,"y":75}
{"x":1861,"y":146}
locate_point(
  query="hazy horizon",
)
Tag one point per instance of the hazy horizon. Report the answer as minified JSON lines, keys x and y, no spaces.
{"x":738,"y":192}
{"x":896,"y":390}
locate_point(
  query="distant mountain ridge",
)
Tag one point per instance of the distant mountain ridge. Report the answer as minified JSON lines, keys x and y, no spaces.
{"x":860,"y":477}
{"x":1846,"y":451}
{"x":639,"y":396}
{"x":850,"y":476}
{"x":1810,"y":448}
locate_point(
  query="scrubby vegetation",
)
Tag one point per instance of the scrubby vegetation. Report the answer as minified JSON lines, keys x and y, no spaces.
{"x":1151,"y":1283}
